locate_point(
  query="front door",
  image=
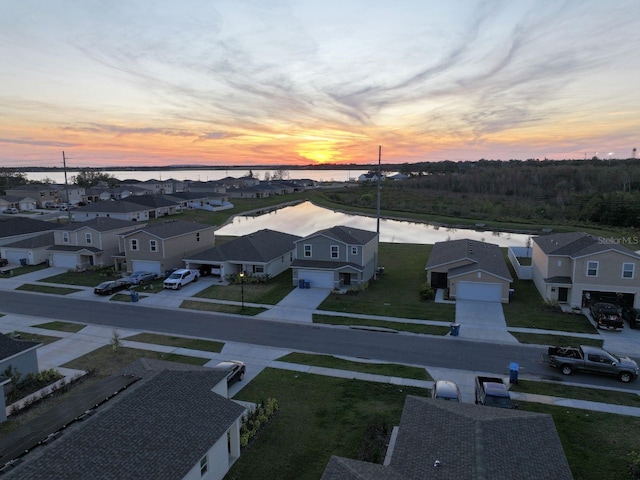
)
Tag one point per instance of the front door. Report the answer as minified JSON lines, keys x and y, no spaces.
{"x":563,"y":294}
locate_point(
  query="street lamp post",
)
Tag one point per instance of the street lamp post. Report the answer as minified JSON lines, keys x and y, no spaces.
{"x":242,"y":287}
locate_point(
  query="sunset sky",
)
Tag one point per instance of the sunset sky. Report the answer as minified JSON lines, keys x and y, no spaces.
{"x":212,"y":82}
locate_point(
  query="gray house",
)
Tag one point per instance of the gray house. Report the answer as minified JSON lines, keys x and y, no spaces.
{"x":440,"y":440}
{"x":166,"y":421}
{"x":120,"y":209}
{"x":20,"y":355}
{"x":13,"y":229}
{"x":470,"y":269}
{"x":265,"y":252}
{"x":336,"y":257}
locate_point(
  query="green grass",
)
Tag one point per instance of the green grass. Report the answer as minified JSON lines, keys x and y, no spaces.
{"x":180,"y":342}
{"x":395,"y":294}
{"x":125,"y":297}
{"x":318,"y":417}
{"x":33,"y":337}
{"x":556,"y":340}
{"x":268,"y":293}
{"x":88,"y":278}
{"x":22,"y":270}
{"x":220,"y":307}
{"x":386,"y":369}
{"x":28,"y":287}
{"x":577,"y":393}
{"x":364,"y":322}
{"x":61,"y":326}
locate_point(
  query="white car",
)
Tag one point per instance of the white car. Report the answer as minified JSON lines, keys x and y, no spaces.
{"x":180,"y":278}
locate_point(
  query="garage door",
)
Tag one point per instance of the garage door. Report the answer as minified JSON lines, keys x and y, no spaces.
{"x":64,"y":260}
{"x":490,"y":292}
{"x":14,"y":256}
{"x":145,"y":266}
{"x":317,"y":279}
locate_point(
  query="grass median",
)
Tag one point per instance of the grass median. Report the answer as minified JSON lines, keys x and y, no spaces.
{"x":391,"y":325}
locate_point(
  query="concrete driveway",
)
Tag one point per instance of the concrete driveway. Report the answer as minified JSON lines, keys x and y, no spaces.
{"x":298,"y":306}
{"x":482,"y":321}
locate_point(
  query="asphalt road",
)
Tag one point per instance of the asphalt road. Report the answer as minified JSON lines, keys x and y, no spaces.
{"x":449,"y":352}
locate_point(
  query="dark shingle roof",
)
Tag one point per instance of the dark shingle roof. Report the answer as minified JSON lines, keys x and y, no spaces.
{"x":471,"y":442}
{"x":11,"y":227}
{"x":261,"y":246}
{"x":479,"y":255}
{"x":348,"y":235}
{"x":325,"y":264}
{"x":158,"y":428}
{"x":10,"y":347}
{"x":172,"y":228}
{"x":111,"y":206}
{"x":100,"y":224}
{"x":577,"y":244}
{"x":43,"y":240}
{"x":152,"y":201}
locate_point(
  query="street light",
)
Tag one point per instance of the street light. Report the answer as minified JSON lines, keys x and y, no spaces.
{"x":242,"y":287}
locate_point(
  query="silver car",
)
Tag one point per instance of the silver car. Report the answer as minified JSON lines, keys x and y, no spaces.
{"x":446,"y":390}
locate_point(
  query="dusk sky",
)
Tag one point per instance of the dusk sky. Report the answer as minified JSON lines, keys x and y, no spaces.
{"x":211,"y":82}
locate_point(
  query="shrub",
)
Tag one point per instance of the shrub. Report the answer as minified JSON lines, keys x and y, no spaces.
{"x":426,"y":293}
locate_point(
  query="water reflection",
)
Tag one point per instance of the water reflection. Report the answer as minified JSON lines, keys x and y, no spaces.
{"x":306,"y":218}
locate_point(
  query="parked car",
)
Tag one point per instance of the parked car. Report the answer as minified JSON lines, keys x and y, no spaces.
{"x":591,"y":360}
{"x":236,"y":370}
{"x":446,"y":390}
{"x":112,"y":286}
{"x":180,"y":278}
{"x":49,"y":205}
{"x":493,"y":392}
{"x":606,"y":315}
{"x":4,"y":262}
{"x":632,"y":316}
{"x":138,"y":278}
{"x":11,"y":210}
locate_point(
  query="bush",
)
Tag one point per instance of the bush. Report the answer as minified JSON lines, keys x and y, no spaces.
{"x":257,"y":418}
{"x":426,"y":293}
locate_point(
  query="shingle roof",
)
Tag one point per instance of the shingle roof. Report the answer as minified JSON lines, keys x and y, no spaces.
{"x":152,"y":201}
{"x":348,"y":235}
{"x":325,"y":264}
{"x":100,"y":224}
{"x":42,"y":240}
{"x":11,"y":227}
{"x":10,"y":347}
{"x":261,"y":246}
{"x":158,"y":428}
{"x":113,"y":206}
{"x":172,"y":228}
{"x":471,"y":442}
{"x":480,"y":255}
{"x":577,"y":244}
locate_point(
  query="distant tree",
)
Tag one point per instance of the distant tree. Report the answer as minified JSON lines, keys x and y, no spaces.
{"x":10,"y":177}
{"x":90,"y":178}
{"x":281,"y":174}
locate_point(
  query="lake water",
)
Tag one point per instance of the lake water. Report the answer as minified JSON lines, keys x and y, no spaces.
{"x":206,"y":175}
{"x":305,"y":218}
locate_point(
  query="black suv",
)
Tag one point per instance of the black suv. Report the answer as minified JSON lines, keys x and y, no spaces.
{"x":632,"y":316}
{"x":3,"y":262}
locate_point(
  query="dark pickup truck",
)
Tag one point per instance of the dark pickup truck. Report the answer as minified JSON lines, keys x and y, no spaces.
{"x":606,"y":315}
{"x":592,"y":360}
{"x":492,"y":392}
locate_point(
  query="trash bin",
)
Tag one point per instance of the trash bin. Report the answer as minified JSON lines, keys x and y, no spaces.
{"x":512,"y":292}
{"x":23,"y":262}
{"x":307,"y":284}
{"x":300,"y":283}
{"x":455,"y":329}
{"x":46,"y":263}
{"x":134,"y":296}
{"x":513,"y":372}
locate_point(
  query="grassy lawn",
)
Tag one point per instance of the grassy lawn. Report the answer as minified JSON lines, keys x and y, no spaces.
{"x":556,"y":340}
{"x":578,"y":393}
{"x":33,"y":337}
{"x":328,"y":361}
{"x":395,"y":294}
{"x":597,"y":445}
{"x":88,"y":278}
{"x":61,"y":326}
{"x":268,"y":293}
{"x":364,"y":322}
{"x":27,"y":287}
{"x":180,"y":342}
{"x":22,"y":270}
{"x":319,"y":417}
{"x":221,"y":307}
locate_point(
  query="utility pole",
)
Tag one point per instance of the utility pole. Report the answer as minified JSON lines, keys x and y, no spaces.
{"x":66,"y":187}
{"x":379,"y":173}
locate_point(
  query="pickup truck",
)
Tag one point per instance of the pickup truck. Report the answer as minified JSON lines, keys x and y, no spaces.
{"x":592,"y":360}
{"x":606,"y":315}
{"x":492,"y":392}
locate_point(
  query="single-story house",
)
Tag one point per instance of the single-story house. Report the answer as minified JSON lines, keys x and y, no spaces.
{"x":29,"y":251}
{"x":159,"y":205}
{"x":265,"y":252}
{"x":22,"y":203}
{"x":153,"y":420}
{"x":20,"y":356}
{"x":470,"y":269}
{"x":16,"y":228}
{"x":336,"y":257}
{"x":439,"y":440}
{"x":120,"y":209}
{"x":576,"y":267}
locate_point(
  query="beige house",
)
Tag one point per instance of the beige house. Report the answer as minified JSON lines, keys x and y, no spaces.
{"x":162,"y":246}
{"x":575,"y":268}
{"x":470,"y":270}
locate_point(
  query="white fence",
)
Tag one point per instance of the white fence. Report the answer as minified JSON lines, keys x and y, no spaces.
{"x":524,"y":272}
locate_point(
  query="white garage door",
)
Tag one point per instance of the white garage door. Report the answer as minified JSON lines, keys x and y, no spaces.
{"x":146,"y":266}
{"x":14,"y":256}
{"x":317,"y":279}
{"x":64,"y":260}
{"x":490,"y":292}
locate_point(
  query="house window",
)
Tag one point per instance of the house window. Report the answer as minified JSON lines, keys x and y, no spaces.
{"x":628,"y":269}
{"x":307,"y":250}
{"x":65,"y":237}
{"x":87,"y":238}
{"x":354,"y":250}
{"x":592,"y":269}
{"x":134,"y":245}
{"x":258,"y":269}
{"x":559,"y":263}
{"x":334,"y":251}
{"x":204,"y":466}
{"x":153,"y":245}
{"x":197,"y":236}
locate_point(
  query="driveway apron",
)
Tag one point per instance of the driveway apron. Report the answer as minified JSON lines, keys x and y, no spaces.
{"x":298,"y":306}
{"x":482,"y":321}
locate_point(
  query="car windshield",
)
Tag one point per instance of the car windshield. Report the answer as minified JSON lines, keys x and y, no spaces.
{"x":176,"y":275}
{"x":500,"y":402}
{"x":104,"y":284}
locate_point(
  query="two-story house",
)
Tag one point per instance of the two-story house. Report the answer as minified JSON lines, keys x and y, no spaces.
{"x":159,"y":247}
{"x":71,"y":194}
{"x":337,"y":257}
{"x":575,"y":267}
{"x":81,"y":245}
{"x":120,"y":209}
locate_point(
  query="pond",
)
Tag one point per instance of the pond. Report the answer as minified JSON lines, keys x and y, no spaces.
{"x":305,"y":218}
